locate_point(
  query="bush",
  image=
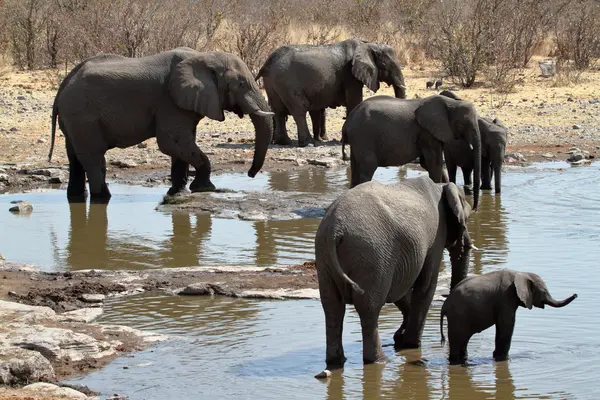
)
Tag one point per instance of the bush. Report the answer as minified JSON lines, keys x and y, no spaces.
{"x":577,"y":34}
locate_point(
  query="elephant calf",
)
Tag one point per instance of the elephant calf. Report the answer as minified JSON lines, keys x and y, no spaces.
{"x":479,"y":302}
{"x":494,"y":136}
{"x":375,"y":243}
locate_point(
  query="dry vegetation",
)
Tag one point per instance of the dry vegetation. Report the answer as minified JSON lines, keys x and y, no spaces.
{"x":486,"y":49}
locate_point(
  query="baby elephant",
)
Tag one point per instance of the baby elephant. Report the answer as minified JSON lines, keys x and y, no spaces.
{"x":478,"y":302}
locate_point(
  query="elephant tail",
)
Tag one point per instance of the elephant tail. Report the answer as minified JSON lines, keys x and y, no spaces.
{"x":54,"y":116}
{"x":442,"y":314}
{"x":332,"y":241}
{"x":344,"y":143}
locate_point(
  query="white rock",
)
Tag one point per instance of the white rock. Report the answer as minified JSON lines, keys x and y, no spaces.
{"x":324,"y":162}
{"x":85,"y":315}
{"x":18,"y":366}
{"x":57,"y":343}
{"x":323,"y":374}
{"x":4,"y":178}
{"x":49,"y":389}
{"x":16,"y":312}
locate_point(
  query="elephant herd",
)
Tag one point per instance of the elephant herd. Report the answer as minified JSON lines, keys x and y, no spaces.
{"x":376,"y":243}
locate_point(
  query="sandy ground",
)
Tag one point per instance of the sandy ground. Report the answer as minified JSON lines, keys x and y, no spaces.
{"x":545,"y":121}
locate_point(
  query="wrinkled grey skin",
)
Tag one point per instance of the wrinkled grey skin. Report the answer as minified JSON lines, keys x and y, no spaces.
{"x":309,"y":78}
{"x":110,"y":101}
{"x":374,"y":244}
{"x":494,"y":136}
{"x":385,"y":131}
{"x":478,"y":302}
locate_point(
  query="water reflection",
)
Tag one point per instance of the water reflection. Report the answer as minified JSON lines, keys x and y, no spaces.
{"x":462,"y":386}
{"x":287,"y":237}
{"x":307,"y":180}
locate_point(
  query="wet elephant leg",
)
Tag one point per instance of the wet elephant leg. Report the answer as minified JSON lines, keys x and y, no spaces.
{"x":179,"y":176}
{"x":362,"y":168}
{"x":76,"y":192}
{"x":452,"y":169}
{"x":404,"y":306}
{"x":323,"y":133}
{"x":486,"y":177}
{"x":368,"y":312}
{"x":458,"y":340}
{"x":467,"y":177}
{"x":303,"y":132}
{"x":95,"y":169}
{"x":505,"y":324}
{"x":421,"y":298}
{"x":334,"y":309}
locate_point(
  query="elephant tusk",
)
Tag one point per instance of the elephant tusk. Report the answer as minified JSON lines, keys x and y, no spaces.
{"x":265,"y":113}
{"x":474,"y":248}
{"x":470,"y":146}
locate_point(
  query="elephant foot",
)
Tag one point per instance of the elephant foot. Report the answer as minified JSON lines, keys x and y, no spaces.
{"x":324,"y":137}
{"x":372,"y":360}
{"x":283,"y":141}
{"x":206,"y":186}
{"x":77,"y":198}
{"x":500,"y":357}
{"x":497,"y":191}
{"x":303,"y":143}
{"x":336,"y":362}
{"x":486,"y":187}
{"x":456,"y":360}
{"x":401,"y":344}
{"x":101,"y":198}
{"x":173,"y":191}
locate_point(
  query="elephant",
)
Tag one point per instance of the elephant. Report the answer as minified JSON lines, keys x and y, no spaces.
{"x":378,"y":242}
{"x":386,"y":131}
{"x":494,"y":136}
{"x":110,"y":101}
{"x":310,"y":78}
{"x":480,"y":301}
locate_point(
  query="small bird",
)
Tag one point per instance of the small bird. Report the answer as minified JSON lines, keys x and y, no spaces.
{"x":438,"y":83}
{"x":429,"y":84}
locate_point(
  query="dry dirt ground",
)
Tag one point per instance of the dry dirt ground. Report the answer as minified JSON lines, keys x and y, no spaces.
{"x":545,"y":121}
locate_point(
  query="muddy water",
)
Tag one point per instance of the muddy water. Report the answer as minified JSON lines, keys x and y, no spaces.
{"x":130,"y":234}
{"x":547,"y":221}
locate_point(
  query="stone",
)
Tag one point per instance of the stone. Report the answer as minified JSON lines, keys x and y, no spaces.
{"x":24,"y":313}
{"x":548,"y":155}
{"x":92,"y":298}
{"x":22,"y":207}
{"x":40,"y":141}
{"x":570,"y":99}
{"x":575,"y":158}
{"x":4,"y":178}
{"x":20,"y":366}
{"x":547,"y":68}
{"x":48,"y":389}
{"x":514,"y":157}
{"x":576,"y":127}
{"x":324,"y":162}
{"x":201,"y":289}
{"x":85,"y":315}
{"x":142,"y":145}
{"x":13,"y":129}
{"x":20,"y":97}
{"x":124,"y":164}
{"x":323,"y":374}
{"x":57,"y":343}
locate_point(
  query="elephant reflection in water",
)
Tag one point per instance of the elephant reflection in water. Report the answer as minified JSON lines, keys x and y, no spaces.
{"x":312,"y":180}
{"x":290,"y":233}
{"x":487,"y":228}
{"x":461,"y":385}
{"x":90,"y":246}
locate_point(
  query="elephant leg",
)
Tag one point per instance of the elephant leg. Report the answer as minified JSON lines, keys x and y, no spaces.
{"x":497,"y":172}
{"x":505,"y":324}
{"x":315,"y":117}
{"x":323,"y":133}
{"x":334,"y":309}
{"x":76,"y":192}
{"x":452,"y":168}
{"x":404,"y":306}
{"x":431,"y":158}
{"x":303,"y":132}
{"x":281,"y":137}
{"x":179,"y":176}
{"x":363,"y":170}
{"x":95,"y":168}
{"x":486,"y":177}
{"x":458,"y":340}
{"x":369,"y":316}
{"x":468,"y":180}
{"x":421,"y":298}
{"x":175,"y":136}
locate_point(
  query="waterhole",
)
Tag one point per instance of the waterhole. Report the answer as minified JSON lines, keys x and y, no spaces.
{"x":546,"y":221}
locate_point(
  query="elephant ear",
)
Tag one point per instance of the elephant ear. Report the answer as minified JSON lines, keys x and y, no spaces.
{"x":433,"y":116}
{"x":523,"y":287}
{"x":193,"y":86}
{"x":455,"y":204}
{"x":364,"y":68}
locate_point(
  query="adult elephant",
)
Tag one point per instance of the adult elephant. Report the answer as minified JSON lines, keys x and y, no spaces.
{"x":494,"y":136}
{"x":309,"y":78}
{"x":385,"y":131}
{"x":110,"y":101}
{"x":375,"y":243}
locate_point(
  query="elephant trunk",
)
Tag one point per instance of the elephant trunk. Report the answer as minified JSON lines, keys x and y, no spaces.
{"x":476,"y":143}
{"x":557,"y":304}
{"x":263,"y":126}
{"x":254,"y":104}
{"x":460,"y":255}
{"x":399,"y":91}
